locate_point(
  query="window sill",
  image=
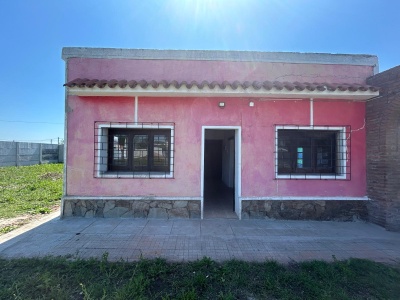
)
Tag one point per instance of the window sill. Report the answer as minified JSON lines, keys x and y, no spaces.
{"x":135,"y":175}
{"x":312,"y":176}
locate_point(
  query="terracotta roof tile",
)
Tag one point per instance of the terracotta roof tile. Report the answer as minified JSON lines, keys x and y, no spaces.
{"x":257,"y":85}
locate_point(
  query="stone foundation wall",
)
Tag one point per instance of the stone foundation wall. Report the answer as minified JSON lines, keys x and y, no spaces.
{"x":132,"y":208}
{"x":305,"y":210}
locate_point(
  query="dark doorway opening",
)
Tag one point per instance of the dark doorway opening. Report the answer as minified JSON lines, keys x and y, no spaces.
{"x":219,"y":174}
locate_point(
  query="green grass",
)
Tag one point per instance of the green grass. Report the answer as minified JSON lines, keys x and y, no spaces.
{"x":62,"y":278}
{"x":35,"y":189}
{"x":7,"y":228}
{"x":29,"y":190}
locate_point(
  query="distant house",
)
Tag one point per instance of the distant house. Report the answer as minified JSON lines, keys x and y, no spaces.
{"x":193,"y":134}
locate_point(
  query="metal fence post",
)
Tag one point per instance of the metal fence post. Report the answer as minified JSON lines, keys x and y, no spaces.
{"x":17,"y":154}
{"x":60,"y":153}
{"x":40,"y":154}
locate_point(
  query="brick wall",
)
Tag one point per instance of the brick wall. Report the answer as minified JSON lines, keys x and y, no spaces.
{"x":383,"y":150}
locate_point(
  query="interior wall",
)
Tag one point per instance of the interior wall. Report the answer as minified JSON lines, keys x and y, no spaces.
{"x":228,"y":158}
{"x":213,"y":159}
{"x":219,"y":155}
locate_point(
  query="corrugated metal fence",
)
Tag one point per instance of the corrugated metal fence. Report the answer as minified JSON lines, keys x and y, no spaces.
{"x":25,"y":154}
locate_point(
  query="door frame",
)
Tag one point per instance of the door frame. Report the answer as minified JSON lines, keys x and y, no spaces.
{"x":237,"y":170}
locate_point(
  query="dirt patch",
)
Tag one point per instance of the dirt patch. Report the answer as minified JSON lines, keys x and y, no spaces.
{"x":51,"y":175}
{"x":9,"y":224}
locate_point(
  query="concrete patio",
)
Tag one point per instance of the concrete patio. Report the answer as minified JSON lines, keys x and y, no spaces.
{"x":185,"y":240}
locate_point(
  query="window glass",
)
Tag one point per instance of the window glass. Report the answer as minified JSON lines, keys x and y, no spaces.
{"x":140,"y":152}
{"x":120,"y":148}
{"x":161,"y":150}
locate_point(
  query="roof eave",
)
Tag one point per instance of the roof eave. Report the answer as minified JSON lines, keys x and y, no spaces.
{"x":218,"y":92}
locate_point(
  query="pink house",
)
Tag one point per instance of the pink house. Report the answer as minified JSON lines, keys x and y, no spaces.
{"x":194,"y":134}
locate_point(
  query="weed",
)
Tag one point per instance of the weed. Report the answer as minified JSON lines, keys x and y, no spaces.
{"x":135,"y":288}
{"x":189,"y":294}
{"x":42,"y":210}
{"x":87,"y":295}
{"x":225,"y":296}
{"x":6,"y":229}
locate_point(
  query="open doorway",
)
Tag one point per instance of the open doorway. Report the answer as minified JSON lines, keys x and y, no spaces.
{"x":219,"y":173}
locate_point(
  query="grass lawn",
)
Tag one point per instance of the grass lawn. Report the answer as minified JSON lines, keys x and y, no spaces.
{"x":61,"y":278}
{"x":29,"y":190}
{"x":35,"y":189}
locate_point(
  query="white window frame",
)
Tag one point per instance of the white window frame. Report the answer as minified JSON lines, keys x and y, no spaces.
{"x":102,"y":154}
{"x":342,"y":145}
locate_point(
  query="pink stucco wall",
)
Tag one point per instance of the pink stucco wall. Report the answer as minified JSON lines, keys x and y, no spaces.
{"x":190,"y":114}
{"x":214,"y":70}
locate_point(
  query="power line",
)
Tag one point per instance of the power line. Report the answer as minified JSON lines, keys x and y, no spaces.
{"x":10,"y":121}
{"x":49,"y":139}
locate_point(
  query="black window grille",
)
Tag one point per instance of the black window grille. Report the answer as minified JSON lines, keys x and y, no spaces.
{"x":134,"y":150}
{"x":313,"y":152}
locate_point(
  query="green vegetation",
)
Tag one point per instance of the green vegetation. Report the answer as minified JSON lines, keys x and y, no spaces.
{"x":62,"y":278}
{"x":35,"y":189}
{"x":7,"y":228}
{"x":29,"y":190}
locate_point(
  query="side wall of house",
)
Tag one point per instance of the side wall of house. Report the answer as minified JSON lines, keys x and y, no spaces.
{"x":383,"y":155}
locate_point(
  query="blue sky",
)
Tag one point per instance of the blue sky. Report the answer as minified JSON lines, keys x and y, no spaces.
{"x":34,"y":32}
